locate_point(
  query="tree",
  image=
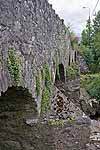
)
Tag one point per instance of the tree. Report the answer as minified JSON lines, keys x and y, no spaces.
{"x":91,"y":40}
{"x":96,"y":23}
{"x":96,"y":40}
{"x":87,"y":34}
{"x":84,"y":38}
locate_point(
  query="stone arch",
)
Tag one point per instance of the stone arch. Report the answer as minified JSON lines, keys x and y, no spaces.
{"x":17,"y":104}
{"x":60,"y":73}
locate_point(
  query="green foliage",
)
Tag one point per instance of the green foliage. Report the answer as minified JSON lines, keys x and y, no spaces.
{"x":87,"y":34}
{"x":45,"y":101}
{"x":13,"y":65}
{"x":47,"y":89}
{"x":91,"y":41}
{"x":61,"y":122}
{"x":84,"y":38}
{"x":91,"y":82}
{"x":72,"y":70}
{"x":38,"y":85}
{"x":88,"y":57}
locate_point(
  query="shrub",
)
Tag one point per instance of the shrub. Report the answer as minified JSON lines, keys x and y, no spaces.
{"x":91,"y":83}
{"x":72,"y":70}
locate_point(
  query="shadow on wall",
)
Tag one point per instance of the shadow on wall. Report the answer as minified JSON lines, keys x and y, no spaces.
{"x":60,"y":75}
{"x":69,"y":61}
{"x":75,"y":56}
{"x":17,"y":103}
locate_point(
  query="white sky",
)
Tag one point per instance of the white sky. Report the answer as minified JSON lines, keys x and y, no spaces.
{"x":73,"y":13}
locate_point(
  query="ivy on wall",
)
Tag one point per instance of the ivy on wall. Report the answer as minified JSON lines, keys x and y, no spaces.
{"x":13,"y":65}
{"x":45,"y":103}
{"x":38,"y":88}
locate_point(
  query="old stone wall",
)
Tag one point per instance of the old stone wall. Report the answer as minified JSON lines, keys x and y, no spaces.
{"x":31,"y":35}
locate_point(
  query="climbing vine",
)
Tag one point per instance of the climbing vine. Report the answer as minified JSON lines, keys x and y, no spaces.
{"x":45,"y":100}
{"x":38,"y":85}
{"x":13,"y":65}
{"x":47,"y":90}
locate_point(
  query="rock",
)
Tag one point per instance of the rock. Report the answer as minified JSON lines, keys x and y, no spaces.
{"x":89,"y":106}
{"x":84,"y":120}
{"x":83,"y":66}
{"x":31,"y":121}
{"x":86,"y":107}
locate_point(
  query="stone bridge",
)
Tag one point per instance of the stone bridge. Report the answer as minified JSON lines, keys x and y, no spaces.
{"x":35,"y":51}
{"x":34,"y":43}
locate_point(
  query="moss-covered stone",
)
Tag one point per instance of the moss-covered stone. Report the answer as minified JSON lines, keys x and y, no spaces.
{"x":61,"y":122}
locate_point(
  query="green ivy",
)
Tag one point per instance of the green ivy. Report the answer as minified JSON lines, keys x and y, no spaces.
{"x":13,"y":65}
{"x":38,"y":85}
{"x":45,"y":100}
{"x":47,"y":89}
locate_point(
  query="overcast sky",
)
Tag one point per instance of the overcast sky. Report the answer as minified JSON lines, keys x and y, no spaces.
{"x":73,"y":13}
